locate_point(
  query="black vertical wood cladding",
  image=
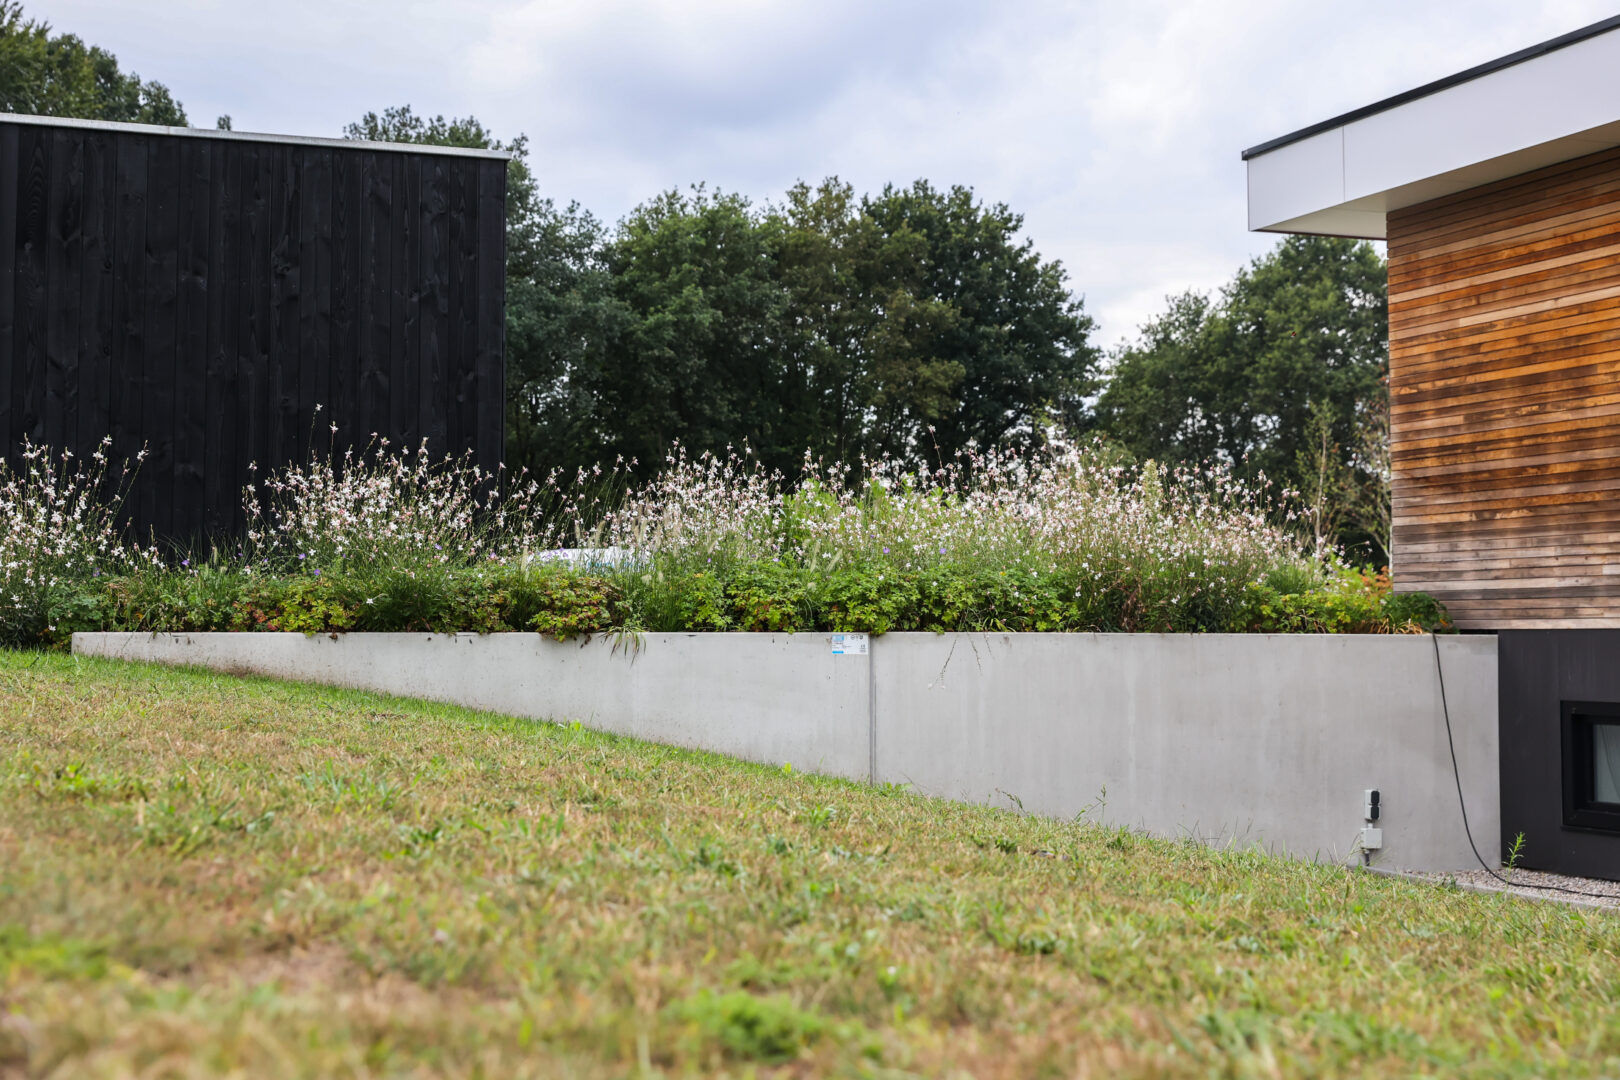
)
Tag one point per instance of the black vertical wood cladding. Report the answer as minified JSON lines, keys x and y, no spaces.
{"x":1537,"y":671}
{"x":223,"y":302}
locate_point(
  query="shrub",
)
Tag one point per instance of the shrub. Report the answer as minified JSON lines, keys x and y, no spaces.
{"x":561,"y":604}
{"x":309,"y":605}
{"x":181,"y":597}
{"x":1353,"y":602}
{"x":1065,"y":539}
{"x":772,"y":597}
{"x":668,"y":596}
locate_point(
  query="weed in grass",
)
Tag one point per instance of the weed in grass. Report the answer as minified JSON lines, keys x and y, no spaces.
{"x":72,"y":781}
{"x":48,"y":957}
{"x":1514,"y":854}
{"x":820,"y":816}
{"x":769,"y":1029}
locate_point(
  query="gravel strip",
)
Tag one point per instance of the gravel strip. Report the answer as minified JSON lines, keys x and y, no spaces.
{"x":1592,"y":892}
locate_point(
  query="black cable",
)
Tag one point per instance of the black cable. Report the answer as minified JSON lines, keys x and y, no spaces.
{"x":1456,"y":774}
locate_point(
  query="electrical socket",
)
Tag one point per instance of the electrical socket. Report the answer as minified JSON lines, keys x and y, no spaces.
{"x":1370,"y":804}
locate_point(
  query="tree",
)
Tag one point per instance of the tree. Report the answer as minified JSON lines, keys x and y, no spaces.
{"x":697,"y":356}
{"x":919,"y":324}
{"x":991,"y":332}
{"x":60,"y":75}
{"x":1300,"y":333}
{"x":908,"y":323}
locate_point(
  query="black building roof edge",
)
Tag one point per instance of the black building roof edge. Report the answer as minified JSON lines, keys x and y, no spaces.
{"x":249,"y":136}
{"x":1551,"y":45}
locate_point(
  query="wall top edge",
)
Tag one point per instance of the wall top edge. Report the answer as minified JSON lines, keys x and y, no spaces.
{"x":805,"y":635}
{"x":159,"y":130}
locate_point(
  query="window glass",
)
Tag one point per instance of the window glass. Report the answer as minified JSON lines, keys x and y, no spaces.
{"x":1605,"y":763}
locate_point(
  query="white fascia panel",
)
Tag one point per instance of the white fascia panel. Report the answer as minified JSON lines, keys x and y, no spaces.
{"x":1337,"y":221}
{"x":1561,"y":94}
{"x":1296,"y":179}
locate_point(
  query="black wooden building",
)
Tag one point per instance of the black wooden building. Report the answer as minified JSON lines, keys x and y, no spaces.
{"x":200,"y":293}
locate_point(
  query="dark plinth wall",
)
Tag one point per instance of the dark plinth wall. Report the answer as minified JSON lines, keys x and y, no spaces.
{"x":1539,"y":671}
{"x":201,"y":293}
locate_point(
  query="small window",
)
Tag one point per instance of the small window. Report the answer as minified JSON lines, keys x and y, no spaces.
{"x":1591,"y":740}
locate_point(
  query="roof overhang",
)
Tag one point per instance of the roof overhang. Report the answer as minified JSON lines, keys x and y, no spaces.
{"x":1542,"y":105}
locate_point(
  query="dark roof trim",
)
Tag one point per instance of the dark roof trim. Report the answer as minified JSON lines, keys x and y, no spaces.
{"x":249,"y":136}
{"x":1438,"y":85}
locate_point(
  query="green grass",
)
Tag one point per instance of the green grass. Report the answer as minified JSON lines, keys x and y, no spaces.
{"x":203,"y":875}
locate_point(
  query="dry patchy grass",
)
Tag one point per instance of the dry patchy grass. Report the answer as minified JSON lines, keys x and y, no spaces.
{"x":204,"y":875}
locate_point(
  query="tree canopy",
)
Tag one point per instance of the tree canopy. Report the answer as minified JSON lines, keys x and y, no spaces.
{"x":911,"y":322}
{"x":1282,"y":373}
{"x":47,"y":74}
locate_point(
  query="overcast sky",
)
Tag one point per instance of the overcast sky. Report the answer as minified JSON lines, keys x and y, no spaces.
{"x":1115,"y":128}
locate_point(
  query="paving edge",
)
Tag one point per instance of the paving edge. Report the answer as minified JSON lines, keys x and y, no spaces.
{"x":1541,"y":896}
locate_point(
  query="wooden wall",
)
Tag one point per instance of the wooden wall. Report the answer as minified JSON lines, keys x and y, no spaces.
{"x":1504,"y":326}
{"x":201,"y":296}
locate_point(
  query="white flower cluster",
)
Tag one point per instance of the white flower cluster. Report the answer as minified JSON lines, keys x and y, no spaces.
{"x":387,"y":506}
{"x":1067,"y":507}
{"x":57,"y":528}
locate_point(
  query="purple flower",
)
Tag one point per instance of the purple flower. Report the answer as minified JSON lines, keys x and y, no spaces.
{"x":317,"y":571}
{"x":885,"y":551}
{"x":185,"y":562}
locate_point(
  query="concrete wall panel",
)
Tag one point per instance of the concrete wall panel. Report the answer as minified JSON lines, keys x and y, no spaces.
{"x":771,"y":698}
{"x":1241,"y":739}
{"x":1230,"y":738}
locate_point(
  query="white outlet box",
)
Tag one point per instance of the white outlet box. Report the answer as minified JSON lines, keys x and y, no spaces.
{"x":1372,"y":839}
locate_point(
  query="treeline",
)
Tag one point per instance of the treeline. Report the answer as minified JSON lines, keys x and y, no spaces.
{"x":911,"y":322}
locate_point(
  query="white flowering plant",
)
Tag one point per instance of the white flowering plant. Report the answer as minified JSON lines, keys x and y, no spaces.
{"x":1067,"y":538}
{"x":59,"y":536}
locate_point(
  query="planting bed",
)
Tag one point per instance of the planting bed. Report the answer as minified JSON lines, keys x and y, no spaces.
{"x":1062,"y":540}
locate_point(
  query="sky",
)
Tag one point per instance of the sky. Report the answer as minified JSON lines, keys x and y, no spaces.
{"x":1114,"y":127}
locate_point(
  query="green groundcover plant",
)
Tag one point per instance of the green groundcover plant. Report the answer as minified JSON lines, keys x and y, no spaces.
{"x":1070,"y":538}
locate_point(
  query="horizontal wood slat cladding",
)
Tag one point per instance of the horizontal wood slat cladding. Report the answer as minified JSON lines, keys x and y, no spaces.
{"x":222,"y":302}
{"x":1504,"y":326}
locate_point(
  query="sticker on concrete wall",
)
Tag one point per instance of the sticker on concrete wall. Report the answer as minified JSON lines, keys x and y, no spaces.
{"x":849,"y":644}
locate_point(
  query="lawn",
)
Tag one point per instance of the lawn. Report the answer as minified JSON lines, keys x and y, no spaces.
{"x":203,"y":875}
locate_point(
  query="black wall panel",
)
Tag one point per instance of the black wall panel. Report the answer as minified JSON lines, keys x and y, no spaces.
{"x":1539,"y":671}
{"x":222,"y":302}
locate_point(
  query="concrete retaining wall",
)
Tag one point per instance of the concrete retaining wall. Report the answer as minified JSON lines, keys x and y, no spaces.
{"x":1229,"y":738}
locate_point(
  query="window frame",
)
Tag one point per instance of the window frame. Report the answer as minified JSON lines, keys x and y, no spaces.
{"x":1581,"y":810}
